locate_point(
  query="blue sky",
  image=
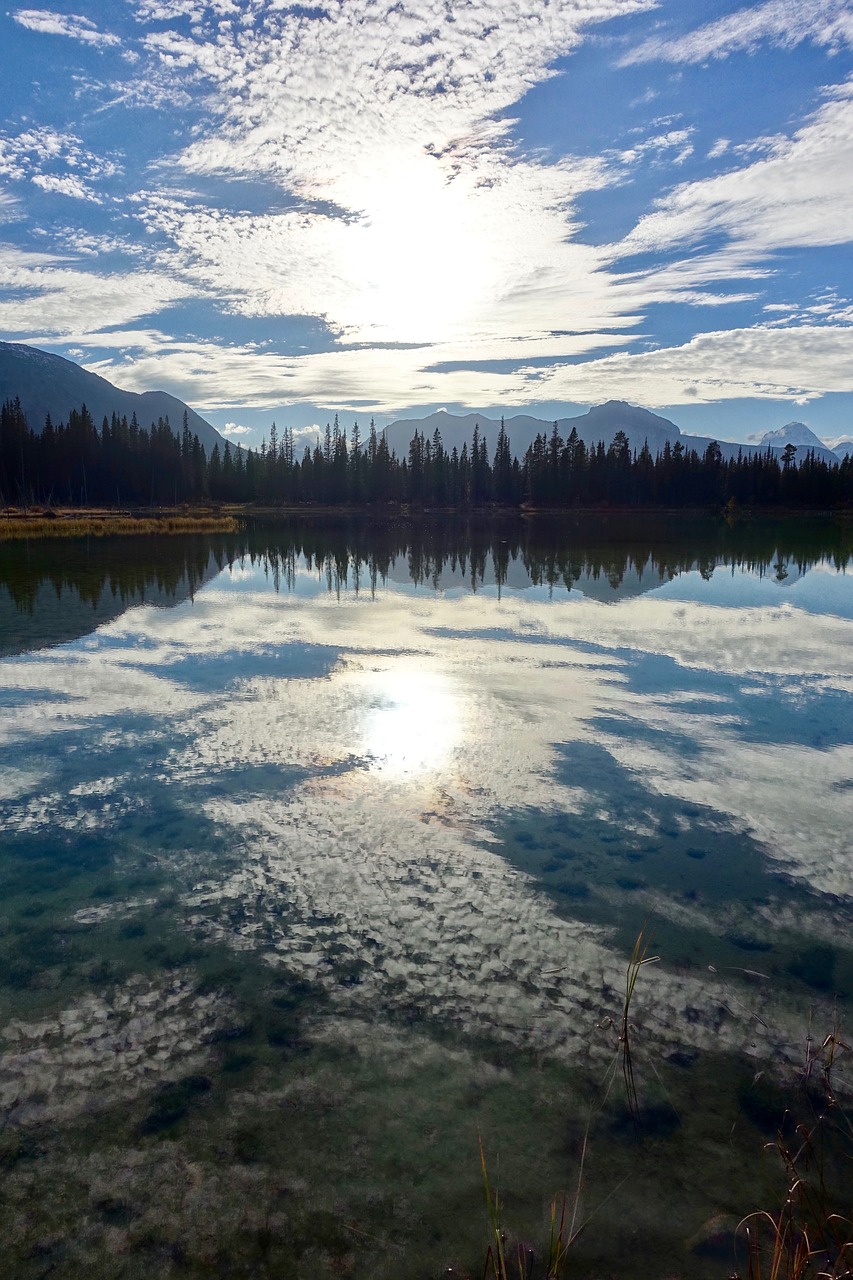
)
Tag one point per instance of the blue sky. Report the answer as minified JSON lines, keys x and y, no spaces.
{"x":279,"y":211}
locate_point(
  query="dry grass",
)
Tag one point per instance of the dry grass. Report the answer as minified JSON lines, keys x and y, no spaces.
{"x":103,"y":524}
{"x":806,"y":1237}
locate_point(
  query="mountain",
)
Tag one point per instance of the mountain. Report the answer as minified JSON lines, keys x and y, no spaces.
{"x":793,"y":433}
{"x":805,"y":440}
{"x":50,"y":384}
{"x":600,"y":423}
{"x":639,"y":425}
{"x":841,"y":448}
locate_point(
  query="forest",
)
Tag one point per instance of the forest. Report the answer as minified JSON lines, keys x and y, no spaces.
{"x":123,"y":464}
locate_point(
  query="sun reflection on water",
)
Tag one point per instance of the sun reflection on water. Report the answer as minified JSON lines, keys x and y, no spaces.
{"x":413,"y":721}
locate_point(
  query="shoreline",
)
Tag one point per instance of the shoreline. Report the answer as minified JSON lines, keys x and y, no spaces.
{"x":62,"y":522}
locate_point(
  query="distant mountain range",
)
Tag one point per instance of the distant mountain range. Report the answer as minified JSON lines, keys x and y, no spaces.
{"x":48,"y":384}
{"x":601,"y":423}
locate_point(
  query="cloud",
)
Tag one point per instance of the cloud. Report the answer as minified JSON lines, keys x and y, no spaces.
{"x":233,"y":429}
{"x":658,"y":145}
{"x":66,"y":186}
{"x":435,"y":259}
{"x":416,"y":220}
{"x":797,"y":195}
{"x":43,"y":296}
{"x":37,"y":153}
{"x":785,"y":23}
{"x":404,"y":215}
{"x":797,"y":363}
{"x":10,"y":207}
{"x":64,"y":24}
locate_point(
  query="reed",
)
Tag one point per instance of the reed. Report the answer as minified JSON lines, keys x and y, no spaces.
{"x":517,"y":1262}
{"x":108,"y":525}
{"x":806,"y":1237}
{"x":638,"y":958}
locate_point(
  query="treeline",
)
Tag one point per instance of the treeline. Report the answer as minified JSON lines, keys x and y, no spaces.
{"x":78,"y":463}
{"x":123,"y":463}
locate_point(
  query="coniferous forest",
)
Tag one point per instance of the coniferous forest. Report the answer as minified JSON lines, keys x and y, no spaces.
{"x":121,"y":463}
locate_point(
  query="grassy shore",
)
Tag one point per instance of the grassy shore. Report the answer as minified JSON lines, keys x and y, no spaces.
{"x":59,"y":522}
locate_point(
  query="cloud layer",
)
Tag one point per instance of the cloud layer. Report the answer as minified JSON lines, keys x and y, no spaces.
{"x":363,"y":176}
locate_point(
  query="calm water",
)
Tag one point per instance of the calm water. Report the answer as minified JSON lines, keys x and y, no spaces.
{"x":324,"y":848}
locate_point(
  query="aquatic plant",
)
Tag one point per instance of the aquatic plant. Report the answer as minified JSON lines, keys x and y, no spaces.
{"x":807,"y":1236}
{"x":519,"y":1261}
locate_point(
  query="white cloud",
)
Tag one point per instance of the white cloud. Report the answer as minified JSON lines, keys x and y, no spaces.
{"x":10,"y":207}
{"x":658,"y":145}
{"x":797,"y":195}
{"x":37,"y":153}
{"x":411,"y":219}
{"x":310,"y":435}
{"x":66,"y":185}
{"x":437,"y":228}
{"x":782,"y":22}
{"x":46,"y":296}
{"x":64,"y":24}
{"x":796,"y":363}
{"x":234,"y":429}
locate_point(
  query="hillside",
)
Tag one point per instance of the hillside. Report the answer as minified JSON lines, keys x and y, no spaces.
{"x":47,"y":383}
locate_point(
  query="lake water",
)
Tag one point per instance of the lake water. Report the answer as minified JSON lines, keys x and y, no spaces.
{"x":324,"y":849}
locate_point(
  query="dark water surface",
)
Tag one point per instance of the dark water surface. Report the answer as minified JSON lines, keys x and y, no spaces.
{"x":323,"y":848}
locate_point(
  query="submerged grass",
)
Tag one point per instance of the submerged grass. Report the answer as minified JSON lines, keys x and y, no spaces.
{"x":518,"y":1261}
{"x":807,"y":1237}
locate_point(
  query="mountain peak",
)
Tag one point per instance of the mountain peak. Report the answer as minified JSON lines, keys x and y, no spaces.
{"x":796,"y":433}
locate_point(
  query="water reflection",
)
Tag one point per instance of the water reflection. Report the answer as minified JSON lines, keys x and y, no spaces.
{"x":52,"y":592}
{"x":411,"y":721}
{"x":438,"y":786}
{"x":602,"y":558}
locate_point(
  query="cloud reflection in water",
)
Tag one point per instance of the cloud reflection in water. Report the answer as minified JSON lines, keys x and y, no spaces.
{"x":466,"y":701}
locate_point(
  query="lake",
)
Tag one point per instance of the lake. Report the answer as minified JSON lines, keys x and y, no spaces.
{"x":325,"y":847}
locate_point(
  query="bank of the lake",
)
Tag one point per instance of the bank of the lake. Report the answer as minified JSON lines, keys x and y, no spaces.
{"x":102,"y":522}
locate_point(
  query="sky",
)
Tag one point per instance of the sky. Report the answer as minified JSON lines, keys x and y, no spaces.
{"x":280,"y":211}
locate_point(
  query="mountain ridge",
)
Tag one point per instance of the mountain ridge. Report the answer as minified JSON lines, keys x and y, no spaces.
{"x":600,"y":423}
{"x":49,"y":384}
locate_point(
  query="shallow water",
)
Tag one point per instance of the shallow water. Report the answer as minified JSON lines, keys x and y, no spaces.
{"x":324,"y":848}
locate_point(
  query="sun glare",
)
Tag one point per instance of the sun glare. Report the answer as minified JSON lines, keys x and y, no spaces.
{"x":424,"y":270}
{"x":412,"y":722}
